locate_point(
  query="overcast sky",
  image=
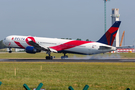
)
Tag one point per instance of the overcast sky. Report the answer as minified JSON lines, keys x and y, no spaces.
{"x":65,"y":18}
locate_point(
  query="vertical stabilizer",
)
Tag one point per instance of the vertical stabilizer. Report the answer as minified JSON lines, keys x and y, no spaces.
{"x":110,"y":35}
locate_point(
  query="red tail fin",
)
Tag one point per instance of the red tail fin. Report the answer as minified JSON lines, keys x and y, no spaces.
{"x":110,"y":35}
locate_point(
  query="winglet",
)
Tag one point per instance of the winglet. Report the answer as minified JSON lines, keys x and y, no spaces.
{"x":110,"y":35}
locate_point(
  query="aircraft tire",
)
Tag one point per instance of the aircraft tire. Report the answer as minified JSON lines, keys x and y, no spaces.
{"x":49,"y":57}
{"x":10,"y":51}
{"x":64,"y":57}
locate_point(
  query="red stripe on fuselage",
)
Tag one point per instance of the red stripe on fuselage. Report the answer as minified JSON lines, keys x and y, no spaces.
{"x":69,"y":45}
{"x":18,"y":43}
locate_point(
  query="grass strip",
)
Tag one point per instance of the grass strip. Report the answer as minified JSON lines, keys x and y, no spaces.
{"x":61,"y":75}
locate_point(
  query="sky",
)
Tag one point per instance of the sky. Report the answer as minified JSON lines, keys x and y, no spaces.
{"x":65,"y":18}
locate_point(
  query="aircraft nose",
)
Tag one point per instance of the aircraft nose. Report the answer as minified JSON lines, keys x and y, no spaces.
{"x":4,"y":41}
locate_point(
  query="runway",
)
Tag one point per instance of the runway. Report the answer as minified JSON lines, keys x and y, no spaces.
{"x":67,"y":60}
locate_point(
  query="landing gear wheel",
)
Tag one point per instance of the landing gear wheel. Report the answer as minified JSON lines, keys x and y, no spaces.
{"x":49,"y":57}
{"x":10,"y":51}
{"x":64,"y":57}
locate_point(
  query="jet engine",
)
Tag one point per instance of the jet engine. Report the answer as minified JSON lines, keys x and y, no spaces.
{"x":32,"y":50}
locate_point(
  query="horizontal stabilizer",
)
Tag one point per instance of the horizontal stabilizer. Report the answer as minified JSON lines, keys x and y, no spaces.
{"x":104,"y":48}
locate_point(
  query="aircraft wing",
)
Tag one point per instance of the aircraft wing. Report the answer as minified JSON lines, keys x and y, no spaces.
{"x":37,"y":46}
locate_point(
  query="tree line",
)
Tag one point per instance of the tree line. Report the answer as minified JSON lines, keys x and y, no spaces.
{"x":2,"y":45}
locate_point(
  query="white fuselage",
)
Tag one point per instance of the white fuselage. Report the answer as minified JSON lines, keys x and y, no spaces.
{"x":58,"y":45}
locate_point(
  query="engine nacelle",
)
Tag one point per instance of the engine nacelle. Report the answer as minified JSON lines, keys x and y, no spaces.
{"x":32,"y":50}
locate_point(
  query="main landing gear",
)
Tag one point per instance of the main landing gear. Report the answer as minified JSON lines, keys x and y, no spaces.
{"x":64,"y":57}
{"x":51,"y":57}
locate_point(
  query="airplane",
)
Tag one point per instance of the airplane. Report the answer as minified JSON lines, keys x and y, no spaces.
{"x":34,"y":45}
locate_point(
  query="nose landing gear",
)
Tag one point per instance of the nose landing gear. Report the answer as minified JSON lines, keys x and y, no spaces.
{"x":10,"y":50}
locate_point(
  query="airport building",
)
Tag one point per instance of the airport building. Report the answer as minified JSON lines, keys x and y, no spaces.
{"x":115,"y":17}
{"x":126,"y":49}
